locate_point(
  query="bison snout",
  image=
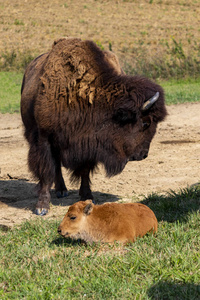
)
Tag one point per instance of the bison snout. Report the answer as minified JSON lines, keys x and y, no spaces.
{"x":140,"y":156}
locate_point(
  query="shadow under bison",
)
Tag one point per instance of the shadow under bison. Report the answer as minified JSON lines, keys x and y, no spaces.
{"x":15,"y":193}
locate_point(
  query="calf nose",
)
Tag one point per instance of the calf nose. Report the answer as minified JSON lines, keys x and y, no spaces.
{"x":59,"y":230}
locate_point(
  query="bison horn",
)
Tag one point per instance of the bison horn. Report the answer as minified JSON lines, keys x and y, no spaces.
{"x":150,"y":102}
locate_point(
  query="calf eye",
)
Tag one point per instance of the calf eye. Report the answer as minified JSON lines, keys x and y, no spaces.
{"x":72,"y":217}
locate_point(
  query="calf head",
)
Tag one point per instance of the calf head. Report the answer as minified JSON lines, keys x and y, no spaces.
{"x":74,"y":222}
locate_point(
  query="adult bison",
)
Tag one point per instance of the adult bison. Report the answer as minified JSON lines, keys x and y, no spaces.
{"x":80,"y":109}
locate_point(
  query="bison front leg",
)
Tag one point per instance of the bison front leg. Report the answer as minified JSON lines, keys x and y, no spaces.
{"x":60,"y":187}
{"x":85,"y":191}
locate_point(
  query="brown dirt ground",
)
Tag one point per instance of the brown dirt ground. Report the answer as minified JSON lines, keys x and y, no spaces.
{"x":173,"y":163}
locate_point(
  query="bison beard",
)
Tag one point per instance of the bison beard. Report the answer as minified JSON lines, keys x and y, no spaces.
{"x":79,"y":109}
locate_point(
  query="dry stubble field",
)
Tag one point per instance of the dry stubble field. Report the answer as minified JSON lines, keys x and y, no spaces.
{"x":131,"y":27}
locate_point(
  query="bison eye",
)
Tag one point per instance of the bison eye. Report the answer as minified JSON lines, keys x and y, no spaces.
{"x":124,"y":116}
{"x":146,"y":122}
{"x":72,"y":217}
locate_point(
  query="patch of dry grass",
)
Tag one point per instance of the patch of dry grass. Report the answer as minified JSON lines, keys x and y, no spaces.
{"x":142,"y":33}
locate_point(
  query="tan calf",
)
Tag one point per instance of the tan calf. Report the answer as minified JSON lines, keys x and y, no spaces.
{"x":122,"y":222}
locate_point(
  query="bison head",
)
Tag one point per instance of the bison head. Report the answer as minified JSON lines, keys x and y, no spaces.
{"x":132,"y":125}
{"x":147,"y":130}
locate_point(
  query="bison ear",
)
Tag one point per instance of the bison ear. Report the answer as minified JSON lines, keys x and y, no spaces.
{"x":88,"y":208}
{"x":124,"y":116}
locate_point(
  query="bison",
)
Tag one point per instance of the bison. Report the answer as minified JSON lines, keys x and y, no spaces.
{"x":109,"y":222}
{"x":79,"y":109}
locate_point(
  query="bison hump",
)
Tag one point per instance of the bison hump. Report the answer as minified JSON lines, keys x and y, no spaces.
{"x":72,"y":67}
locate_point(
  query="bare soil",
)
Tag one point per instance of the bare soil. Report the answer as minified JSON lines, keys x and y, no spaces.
{"x":173,"y":163}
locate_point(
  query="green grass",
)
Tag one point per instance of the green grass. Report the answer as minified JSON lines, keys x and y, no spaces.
{"x":180,"y":91}
{"x":36,"y":263}
{"x":10,"y":92}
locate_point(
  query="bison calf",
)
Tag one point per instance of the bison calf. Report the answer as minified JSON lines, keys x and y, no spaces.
{"x":110,"y":222}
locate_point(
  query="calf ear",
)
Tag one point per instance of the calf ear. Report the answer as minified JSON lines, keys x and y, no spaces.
{"x":88,"y":208}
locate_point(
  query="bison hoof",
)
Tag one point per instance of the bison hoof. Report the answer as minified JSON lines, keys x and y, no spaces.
{"x":41,"y":211}
{"x":62,"y":194}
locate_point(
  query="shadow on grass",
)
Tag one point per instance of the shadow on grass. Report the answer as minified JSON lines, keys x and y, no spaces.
{"x":166,"y":290}
{"x":175,"y":206}
{"x":61,"y":241}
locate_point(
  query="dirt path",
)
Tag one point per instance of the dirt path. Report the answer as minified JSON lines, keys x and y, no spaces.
{"x":173,"y":163}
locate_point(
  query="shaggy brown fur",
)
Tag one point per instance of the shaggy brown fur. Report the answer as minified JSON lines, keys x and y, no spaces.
{"x":80,"y":109}
{"x":110,"y":222}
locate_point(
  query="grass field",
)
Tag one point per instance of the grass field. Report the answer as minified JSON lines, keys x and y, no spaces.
{"x":181,"y":91}
{"x":36,"y":263}
{"x":10,"y":92}
{"x":157,"y":38}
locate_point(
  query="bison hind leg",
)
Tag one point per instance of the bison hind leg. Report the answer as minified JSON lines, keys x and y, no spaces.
{"x":42,"y":165}
{"x":42,"y":205}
